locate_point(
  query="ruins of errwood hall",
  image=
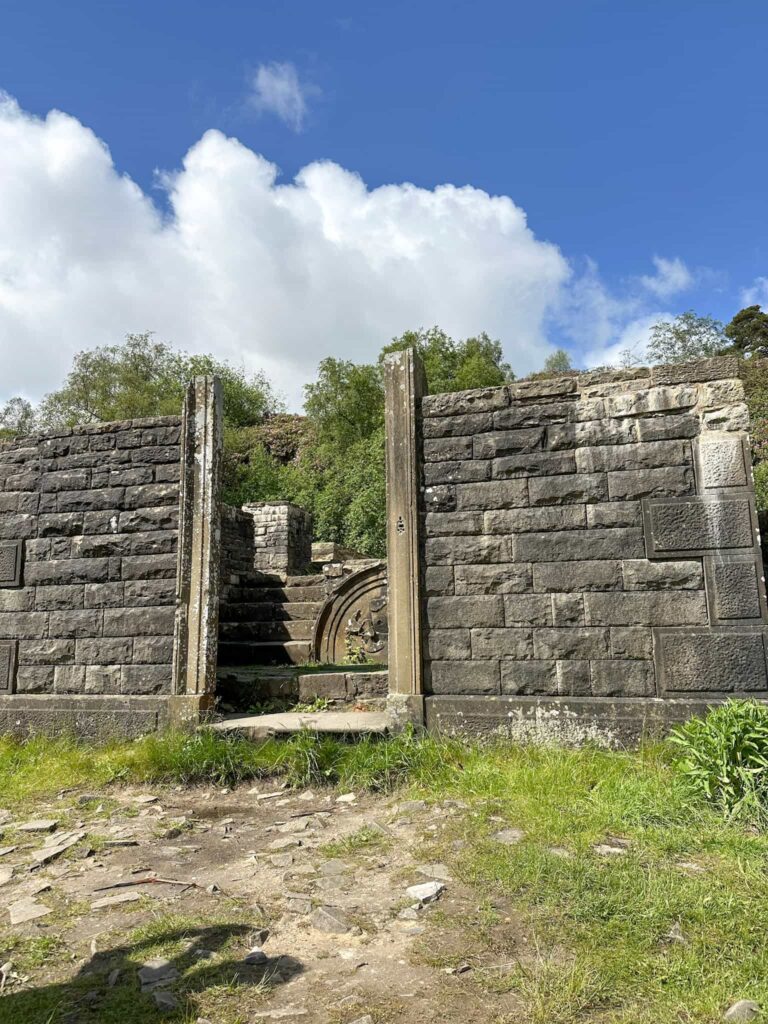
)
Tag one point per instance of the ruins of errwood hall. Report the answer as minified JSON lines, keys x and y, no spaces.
{"x":570,"y":558}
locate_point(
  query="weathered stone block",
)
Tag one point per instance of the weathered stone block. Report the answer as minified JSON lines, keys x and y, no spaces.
{"x":73,"y":480}
{"x":146,"y":679}
{"x":8,"y":654}
{"x":521,"y":414}
{"x":35,"y":679}
{"x":157,"y":542}
{"x":92,"y":500}
{"x":717,"y":660}
{"x":469,"y":471}
{"x":138,"y":621}
{"x":650,"y":400}
{"x":153,"y":650}
{"x":103,"y":595}
{"x":453,"y":524}
{"x":103,"y":679}
{"x":17,"y":527}
{"x":529,"y":677}
{"x":722,"y":461}
{"x":575,"y":642}
{"x":142,"y":593}
{"x":573,"y":487}
{"x":46,"y":652}
{"x":446,"y":612}
{"x":623,"y":679}
{"x":507,"y":442}
{"x":75,"y":623}
{"x":457,"y":426}
{"x":559,"y":577}
{"x":681,"y":608}
{"x":502,"y":643}
{"x":149,"y":567}
{"x":593,"y":432}
{"x":640,"y":574}
{"x":57,"y":598}
{"x":732,"y":588}
{"x":18,"y":625}
{"x":631,"y":642}
{"x":465,"y":677}
{"x":438,"y":580}
{"x":692,"y":373}
{"x":169,"y":473}
{"x":696,"y":524}
{"x":17,"y":600}
{"x":150,"y":496}
{"x":554,"y":387}
{"x":721,"y":392}
{"x":567,"y":610}
{"x":69,"y":679}
{"x":527,"y":610}
{"x":574,"y":678}
{"x":457,"y":403}
{"x":650,"y":455}
{"x":440,"y":499}
{"x":11,"y":556}
{"x":526,"y":520}
{"x":578,"y":545}
{"x":495,"y":494}
{"x":614,"y":514}
{"x":665,"y":428}
{"x":112,"y":651}
{"x":141,"y":520}
{"x":447,"y":449}
{"x":730,"y":417}
{"x":449,"y":645}
{"x":512,"y":578}
{"x":455,"y":550}
{"x":669,"y":481}
{"x":68,"y":571}
{"x":532,"y":464}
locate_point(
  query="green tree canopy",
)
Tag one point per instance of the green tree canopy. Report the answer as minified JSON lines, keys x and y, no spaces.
{"x":558,"y":362}
{"x":748,"y":331}
{"x":686,"y":337}
{"x":17,"y":417}
{"x":450,"y":365}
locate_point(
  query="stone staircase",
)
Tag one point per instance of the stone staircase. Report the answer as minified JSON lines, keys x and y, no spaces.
{"x":268,"y":620}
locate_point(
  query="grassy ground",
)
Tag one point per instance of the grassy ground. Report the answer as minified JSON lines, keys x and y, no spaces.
{"x":672,"y":930}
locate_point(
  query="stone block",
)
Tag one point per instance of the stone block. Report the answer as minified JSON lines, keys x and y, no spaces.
{"x":69,"y":679}
{"x":532,"y":464}
{"x":722,"y":460}
{"x":138,"y":621}
{"x":168,"y":473}
{"x":72,"y":623}
{"x":567,"y":610}
{"x":35,"y":679}
{"x":733,"y":588}
{"x":146,"y":679}
{"x":721,"y":392}
{"x":623,"y":679}
{"x":574,"y":678}
{"x":17,"y":600}
{"x":582,"y":642}
{"x":717,"y":660}
{"x":449,"y":645}
{"x":524,"y":414}
{"x":527,"y":520}
{"x":93,"y":500}
{"x":73,"y":480}
{"x":573,"y":487}
{"x":105,"y":679}
{"x":8,"y":655}
{"x":58,"y":598}
{"x":149,"y":567}
{"x":593,"y":432}
{"x":447,"y":449}
{"x":454,"y":550}
{"x":111,"y":651}
{"x":101,"y":521}
{"x":438,"y":580}
{"x":152,"y":454}
{"x":553,"y":387}
{"x":640,"y":574}
{"x":447,"y":612}
{"x":68,"y":571}
{"x":144,"y":519}
{"x":559,"y":577}
{"x":666,"y":428}
{"x":502,"y":643}
{"x":651,"y":400}
{"x":527,"y":610}
{"x":157,"y":542}
{"x":441,"y":498}
{"x":730,"y":417}
{"x":104,"y":595}
{"x":501,"y":578}
{"x":150,"y":496}
{"x":678,"y":608}
{"x":650,"y":455}
{"x":153,"y":650}
{"x":453,"y":524}
{"x":529,"y":677}
{"x":717,"y":368}
{"x":458,"y":403}
{"x":464,"y":677}
{"x":666,"y":482}
{"x":131,"y":477}
{"x":143,"y":593}
{"x":17,"y":527}
{"x":494,"y":494}
{"x":631,"y":642}
{"x":457,"y":426}
{"x":508,"y":442}
{"x":469,"y":471}
{"x":579,"y":545}
{"x":23,"y":625}
{"x":47,"y":652}
{"x":614,"y":514}
{"x":11,"y":558}
{"x":698,"y":525}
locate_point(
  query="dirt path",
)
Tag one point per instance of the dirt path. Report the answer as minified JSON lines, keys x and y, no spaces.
{"x":325,"y":873}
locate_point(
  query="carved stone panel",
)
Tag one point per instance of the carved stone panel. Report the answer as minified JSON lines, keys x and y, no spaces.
{"x":10,"y":563}
{"x":353,"y":624}
{"x":8,"y":666}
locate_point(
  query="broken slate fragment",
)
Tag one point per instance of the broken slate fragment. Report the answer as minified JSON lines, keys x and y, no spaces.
{"x":426,"y":892}
{"x":114,"y":901}
{"x":744,"y":1009}
{"x":156,"y":972}
{"x":56,"y":846}
{"x":165,"y":1001}
{"x":27,"y":910}
{"x":38,"y":825}
{"x":328,"y":919}
{"x":6,"y":874}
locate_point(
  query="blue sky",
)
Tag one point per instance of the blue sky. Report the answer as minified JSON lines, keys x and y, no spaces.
{"x":624,"y":131}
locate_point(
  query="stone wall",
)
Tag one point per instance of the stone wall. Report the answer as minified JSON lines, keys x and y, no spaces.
{"x":88,"y":536}
{"x":282,"y":536}
{"x":590,"y":550}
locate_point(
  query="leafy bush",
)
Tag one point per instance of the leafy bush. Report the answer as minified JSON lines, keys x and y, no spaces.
{"x":724,"y":757}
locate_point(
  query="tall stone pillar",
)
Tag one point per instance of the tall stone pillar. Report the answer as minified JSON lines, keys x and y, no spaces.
{"x":197,"y":599}
{"x":404,"y":386}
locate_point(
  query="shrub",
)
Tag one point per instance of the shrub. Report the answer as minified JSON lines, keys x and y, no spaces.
{"x":724,"y":757}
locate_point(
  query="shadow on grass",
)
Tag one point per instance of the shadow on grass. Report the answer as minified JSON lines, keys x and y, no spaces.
{"x":106,"y":989}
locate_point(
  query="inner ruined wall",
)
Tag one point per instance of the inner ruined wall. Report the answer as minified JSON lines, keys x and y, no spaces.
{"x":590,"y":553}
{"x":88,"y":538}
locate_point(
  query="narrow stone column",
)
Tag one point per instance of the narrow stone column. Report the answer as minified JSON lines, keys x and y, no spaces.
{"x":403,"y":389}
{"x":197,"y":578}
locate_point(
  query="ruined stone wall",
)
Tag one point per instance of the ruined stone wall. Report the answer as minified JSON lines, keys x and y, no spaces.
{"x":282,"y":536}
{"x":587,"y":541}
{"x":88,"y":536}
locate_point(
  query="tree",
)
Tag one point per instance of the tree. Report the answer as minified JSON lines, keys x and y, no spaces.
{"x":450,"y":365}
{"x":748,"y":331}
{"x":346,"y":402}
{"x":17,"y":417}
{"x":558,"y":362}
{"x":686,"y":337}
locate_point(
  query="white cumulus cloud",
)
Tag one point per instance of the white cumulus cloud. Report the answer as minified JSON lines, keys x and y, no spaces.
{"x":276,"y":89}
{"x":671,"y":277}
{"x":757,"y":293}
{"x":266,"y":274}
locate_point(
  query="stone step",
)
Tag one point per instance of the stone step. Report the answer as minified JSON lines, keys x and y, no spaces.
{"x":288,"y":629}
{"x":268,"y":611}
{"x":339,"y":722}
{"x":289,"y":652}
{"x":342,"y":685}
{"x":232,"y":594}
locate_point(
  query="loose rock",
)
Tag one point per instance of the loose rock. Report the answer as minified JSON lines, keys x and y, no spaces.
{"x":509,"y":836}
{"x":114,"y":901}
{"x":27,"y":910}
{"x":165,"y":1001}
{"x":328,"y":919}
{"x":426,"y":892}
{"x":38,"y":825}
{"x":744,"y":1009}
{"x":155,"y":973}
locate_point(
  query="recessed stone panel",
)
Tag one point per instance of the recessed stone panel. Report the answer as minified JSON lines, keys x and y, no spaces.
{"x":722,"y":461}
{"x":7,"y":666}
{"x":10,"y":563}
{"x":719,"y":660}
{"x":697,"y":525}
{"x":733,"y":588}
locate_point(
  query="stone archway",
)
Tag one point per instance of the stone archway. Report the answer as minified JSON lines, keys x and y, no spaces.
{"x":354,"y":621}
